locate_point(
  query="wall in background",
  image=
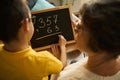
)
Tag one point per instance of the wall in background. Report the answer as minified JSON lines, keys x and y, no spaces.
{"x":74,"y":3}
{"x":56,"y":2}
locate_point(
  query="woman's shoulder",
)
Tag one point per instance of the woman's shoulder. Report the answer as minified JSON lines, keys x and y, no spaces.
{"x":73,"y":71}
{"x":77,"y":64}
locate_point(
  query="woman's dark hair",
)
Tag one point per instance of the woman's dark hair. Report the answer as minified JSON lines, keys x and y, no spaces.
{"x":13,"y":12}
{"x":102,"y":19}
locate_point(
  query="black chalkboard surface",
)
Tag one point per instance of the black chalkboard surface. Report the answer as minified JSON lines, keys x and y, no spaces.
{"x":50,"y":23}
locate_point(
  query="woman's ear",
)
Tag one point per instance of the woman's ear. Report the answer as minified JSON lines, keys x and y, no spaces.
{"x":26,"y":24}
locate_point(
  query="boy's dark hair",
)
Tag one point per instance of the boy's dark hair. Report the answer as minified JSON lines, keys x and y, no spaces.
{"x":13,"y":12}
{"x":102,"y":20}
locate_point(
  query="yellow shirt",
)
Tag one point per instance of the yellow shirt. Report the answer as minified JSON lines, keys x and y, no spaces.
{"x":27,"y":65}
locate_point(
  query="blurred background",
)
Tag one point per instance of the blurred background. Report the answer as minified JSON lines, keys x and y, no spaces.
{"x":73,"y":3}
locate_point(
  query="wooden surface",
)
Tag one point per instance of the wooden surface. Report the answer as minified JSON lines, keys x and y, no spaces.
{"x":69,"y":48}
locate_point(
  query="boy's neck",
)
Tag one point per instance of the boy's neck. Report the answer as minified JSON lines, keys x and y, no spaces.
{"x":15,"y":46}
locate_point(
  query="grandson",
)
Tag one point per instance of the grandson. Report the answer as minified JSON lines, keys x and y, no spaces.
{"x":18,"y":61}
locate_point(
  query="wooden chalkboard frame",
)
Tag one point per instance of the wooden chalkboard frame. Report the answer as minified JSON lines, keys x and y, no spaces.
{"x":54,"y":9}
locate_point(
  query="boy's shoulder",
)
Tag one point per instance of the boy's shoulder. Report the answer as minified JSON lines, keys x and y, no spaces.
{"x":45,"y":54}
{"x":1,"y":45}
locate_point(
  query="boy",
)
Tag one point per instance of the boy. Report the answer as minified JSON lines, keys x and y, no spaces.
{"x":18,"y":61}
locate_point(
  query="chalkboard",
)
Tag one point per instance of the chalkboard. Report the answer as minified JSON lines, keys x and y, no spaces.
{"x":50,"y":23}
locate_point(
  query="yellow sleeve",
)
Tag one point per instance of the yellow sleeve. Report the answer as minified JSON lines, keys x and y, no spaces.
{"x":53,"y":65}
{"x":1,"y":44}
{"x":45,"y":78}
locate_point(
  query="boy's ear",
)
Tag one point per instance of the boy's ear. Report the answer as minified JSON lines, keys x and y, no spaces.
{"x":26,"y":24}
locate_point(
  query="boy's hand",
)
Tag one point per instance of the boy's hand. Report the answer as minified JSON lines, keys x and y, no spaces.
{"x":55,"y":50}
{"x":62,"y":41}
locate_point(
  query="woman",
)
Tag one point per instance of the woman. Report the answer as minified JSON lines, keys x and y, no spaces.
{"x":98,"y":36}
